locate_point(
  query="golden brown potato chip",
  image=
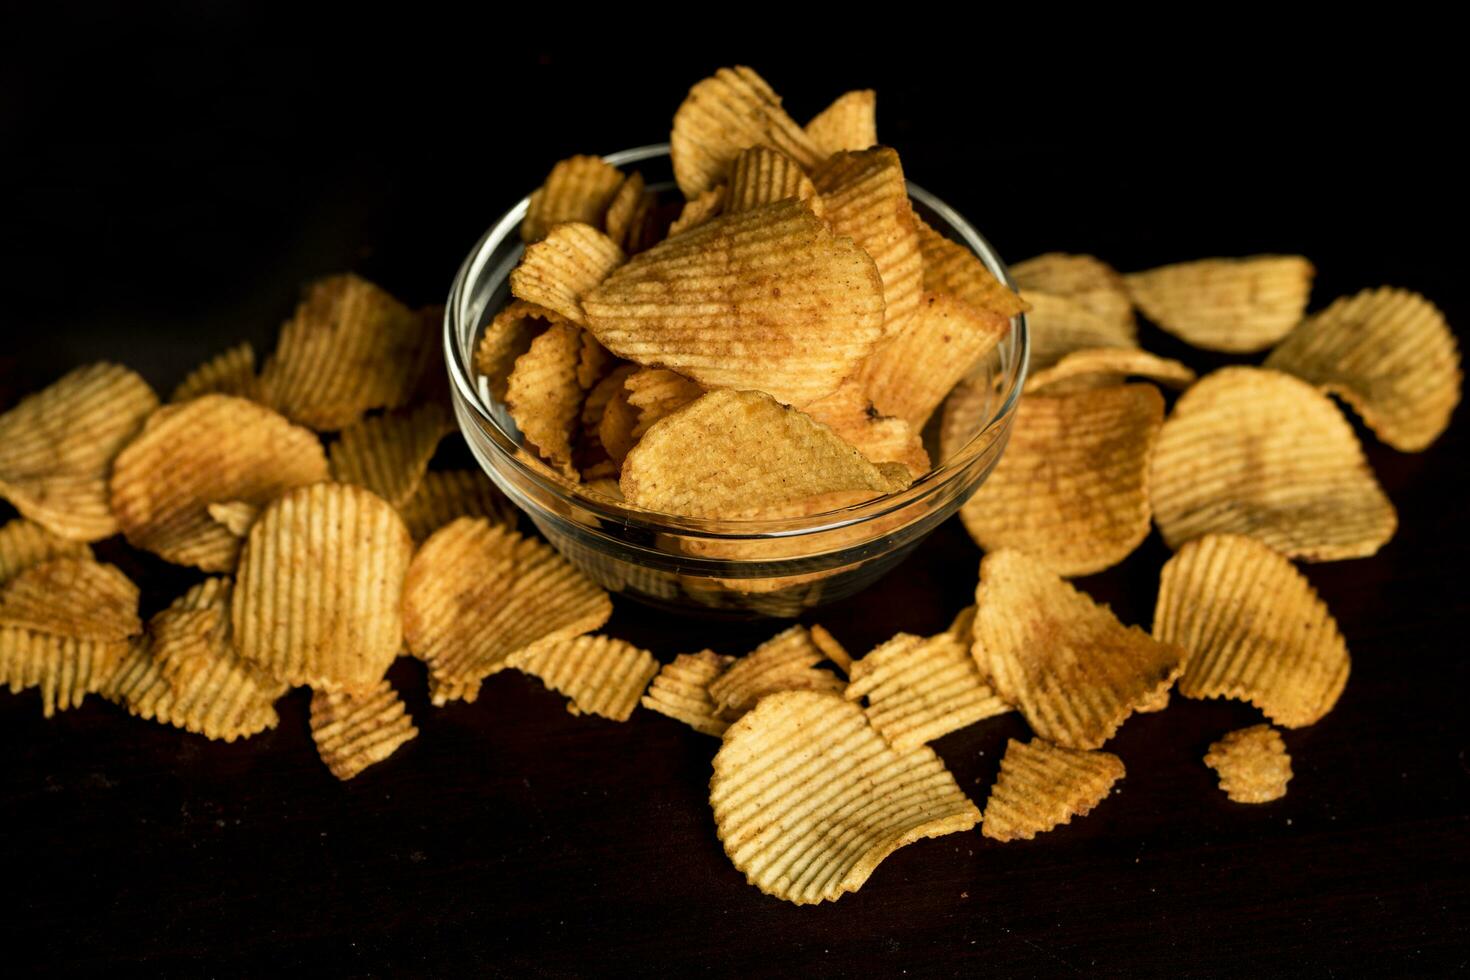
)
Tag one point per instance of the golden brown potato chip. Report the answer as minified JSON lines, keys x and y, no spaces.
{"x":1234,"y":305}
{"x":730,"y":452}
{"x":680,"y":691}
{"x":354,"y":731}
{"x":390,"y":453}
{"x":72,"y":597}
{"x":850,"y":413}
{"x":235,"y":516}
{"x":808,"y":798}
{"x":230,"y":373}
{"x":562,"y":268}
{"x":1389,"y":354}
{"x":1254,"y":629}
{"x":443,"y":496}
{"x":963,"y":626}
{"x":834,"y":651}
{"x":866,"y":199}
{"x":1071,"y":489}
{"x":722,"y":115}
{"x":909,"y":375}
{"x":1072,"y":669}
{"x":25,"y":543}
{"x":507,"y":337}
{"x":66,"y":670}
{"x":697,"y":210}
{"x":579,"y":188}
{"x":655,"y":393}
{"x":761,"y":175}
{"x":1252,"y":763}
{"x":1084,"y":279}
{"x":544,"y":395}
{"x":615,"y":428}
{"x":477,"y":593}
{"x":969,"y":408}
{"x":212,"y":449}
{"x":849,"y":123}
{"x":622,"y":210}
{"x":1103,"y":367}
{"x":194,"y":628}
{"x":1250,"y":451}
{"x":589,"y":452}
{"x":950,"y":267}
{"x":1060,"y":325}
{"x":919,"y":688}
{"x":786,"y":662}
{"x":1042,"y":786}
{"x":317,"y":600}
{"x":601,"y":675}
{"x":349,"y":348}
{"x":57,"y":447}
{"x":766,"y":299}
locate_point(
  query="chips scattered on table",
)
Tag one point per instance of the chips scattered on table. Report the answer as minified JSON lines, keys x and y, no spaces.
{"x":354,"y":731}
{"x":786,"y":662}
{"x":1252,"y":764}
{"x":1233,"y":305}
{"x":1042,"y":786}
{"x":602,"y":676}
{"x":389,"y":454}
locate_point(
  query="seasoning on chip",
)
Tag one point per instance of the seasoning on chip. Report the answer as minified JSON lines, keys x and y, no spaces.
{"x":602,"y":675}
{"x":580,"y":188}
{"x":72,"y":597}
{"x":562,"y":268}
{"x":680,"y":690}
{"x":761,"y":175}
{"x":229,"y":373}
{"x":1252,"y":763}
{"x":1042,"y":786}
{"x":786,"y":662}
{"x":354,"y":731}
{"x":920,"y":688}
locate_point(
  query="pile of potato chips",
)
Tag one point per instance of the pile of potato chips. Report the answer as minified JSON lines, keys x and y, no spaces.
{"x":777,"y":342}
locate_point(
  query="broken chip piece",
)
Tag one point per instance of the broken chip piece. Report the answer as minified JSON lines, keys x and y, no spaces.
{"x":1042,"y":786}
{"x":680,"y":690}
{"x":1252,"y":764}
{"x":354,"y":731}
{"x":602,"y":675}
{"x":580,"y":188}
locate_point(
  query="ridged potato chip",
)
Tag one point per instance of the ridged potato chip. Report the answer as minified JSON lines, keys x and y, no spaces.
{"x":65,"y":670}
{"x":849,"y":123}
{"x":615,"y":428}
{"x":445,"y":495}
{"x":211,"y":449}
{"x":57,"y":447}
{"x":971,"y":406}
{"x":1254,"y":629}
{"x":1084,"y":279}
{"x":25,"y":543}
{"x":1104,"y":367}
{"x":865,"y":198}
{"x":477,"y":593}
{"x":730,"y":452}
{"x":724,"y":114}
{"x":1042,"y":786}
{"x":1233,"y":305}
{"x":1060,"y":326}
{"x":349,"y":348}
{"x":229,"y":373}
{"x":766,"y":299}
{"x":601,"y":675}
{"x":1250,"y":451}
{"x":1071,"y":489}
{"x":654,"y":393}
{"x":544,"y":395}
{"x":834,"y":651}
{"x":808,"y":799}
{"x":354,"y":731}
{"x":319,"y":588}
{"x":390,"y":453}
{"x":72,"y":597}
{"x":562,"y":268}
{"x":507,"y":337}
{"x":1252,"y":764}
{"x":850,"y":413}
{"x":622,"y":211}
{"x":1389,"y":354}
{"x":680,"y":690}
{"x":588,"y":451}
{"x":786,"y":662}
{"x":579,"y":188}
{"x":950,"y":267}
{"x":697,"y":210}
{"x":235,"y":516}
{"x":1072,"y":669}
{"x":919,"y":688}
{"x":761,"y":175}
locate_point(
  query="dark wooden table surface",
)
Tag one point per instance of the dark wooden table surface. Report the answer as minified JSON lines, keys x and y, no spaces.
{"x":167,"y":199}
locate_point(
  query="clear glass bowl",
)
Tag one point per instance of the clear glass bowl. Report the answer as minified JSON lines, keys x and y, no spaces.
{"x":719,"y":568}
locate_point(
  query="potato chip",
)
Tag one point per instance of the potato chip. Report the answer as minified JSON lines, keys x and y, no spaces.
{"x":230,"y":373}
{"x":1250,"y":451}
{"x":317,"y":599}
{"x":834,"y":651}
{"x":724,"y":114}
{"x":354,"y":731}
{"x":786,"y":662}
{"x":390,"y":453}
{"x":1103,"y":367}
{"x":950,"y":267}
{"x":1042,"y":786}
{"x":733,"y":451}
{"x":588,"y":451}
{"x":849,"y":123}
{"x":1060,"y":326}
{"x":655,"y":393}
{"x":766,"y":299}
{"x":680,"y":691}
{"x":622,"y":210}
{"x":601,"y":675}
{"x":507,"y":337}
{"x":615,"y":428}
{"x":866,"y":199}
{"x":920,"y":688}
{"x":697,"y":210}
{"x":25,"y":543}
{"x":544,"y":395}
{"x":443,"y":496}
{"x":1233,"y":305}
{"x":1252,"y":763}
{"x":349,"y":348}
{"x":57,"y":446}
{"x":477,"y":593}
{"x":1084,"y":279}
{"x":909,"y":375}
{"x":212,"y":449}
{"x":65,"y":669}
{"x":967,"y":411}
{"x":1071,"y":489}
{"x":1254,"y":629}
{"x":580,"y":188}
{"x":235,"y":516}
{"x":1072,"y":669}
{"x":193,"y":629}
{"x":1389,"y":354}
{"x":761,"y":175}
{"x":808,"y":798}
{"x":850,"y":413}
{"x":963,"y":626}
{"x":72,"y":597}
{"x":558,"y":271}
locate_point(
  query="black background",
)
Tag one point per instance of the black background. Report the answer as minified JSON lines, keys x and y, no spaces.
{"x":170,"y":183}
